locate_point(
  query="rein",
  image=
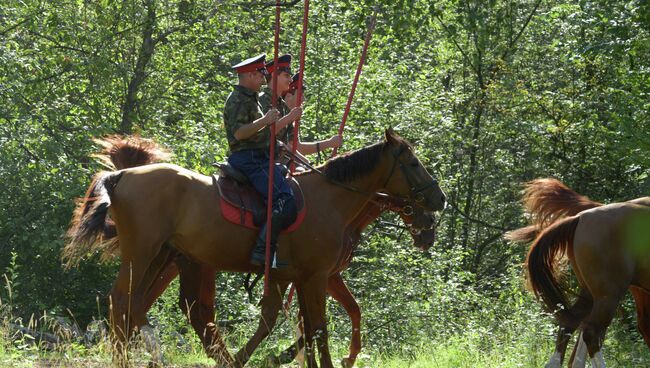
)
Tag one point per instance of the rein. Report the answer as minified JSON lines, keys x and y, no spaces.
{"x":412,"y":188}
{"x":416,"y":192}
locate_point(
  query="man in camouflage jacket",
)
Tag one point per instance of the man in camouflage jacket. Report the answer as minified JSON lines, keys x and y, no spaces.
{"x":249,"y":138}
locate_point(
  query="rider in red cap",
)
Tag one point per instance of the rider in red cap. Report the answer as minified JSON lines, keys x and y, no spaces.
{"x":249,"y":139}
{"x":286,"y":90}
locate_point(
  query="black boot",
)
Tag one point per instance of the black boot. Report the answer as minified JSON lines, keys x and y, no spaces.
{"x":258,"y":256}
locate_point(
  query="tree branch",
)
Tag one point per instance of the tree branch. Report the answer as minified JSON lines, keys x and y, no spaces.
{"x":486,"y":224}
{"x":11,"y":28}
{"x":190,"y":23}
{"x":57,"y":44}
{"x":453,"y":39}
{"x":144,"y":56}
{"x":264,"y":5}
{"x":521,"y":31}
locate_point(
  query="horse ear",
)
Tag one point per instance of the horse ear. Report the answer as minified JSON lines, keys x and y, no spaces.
{"x":390,"y":135}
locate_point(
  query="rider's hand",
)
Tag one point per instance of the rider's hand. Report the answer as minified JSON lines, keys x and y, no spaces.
{"x":271,"y":116}
{"x":295,"y":113}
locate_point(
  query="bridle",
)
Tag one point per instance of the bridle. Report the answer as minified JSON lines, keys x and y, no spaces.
{"x":415,"y":192}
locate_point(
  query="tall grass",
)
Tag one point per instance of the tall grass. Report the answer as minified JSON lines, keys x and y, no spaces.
{"x":450,"y":321}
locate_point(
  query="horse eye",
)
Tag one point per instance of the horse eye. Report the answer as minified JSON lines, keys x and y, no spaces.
{"x":415,"y":163}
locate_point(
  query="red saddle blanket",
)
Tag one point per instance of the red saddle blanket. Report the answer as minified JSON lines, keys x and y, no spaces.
{"x":242,"y":205}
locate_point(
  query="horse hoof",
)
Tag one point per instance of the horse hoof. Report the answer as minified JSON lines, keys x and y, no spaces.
{"x":347,"y":363}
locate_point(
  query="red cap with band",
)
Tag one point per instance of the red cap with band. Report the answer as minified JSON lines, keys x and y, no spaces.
{"x":284,"y":64}
{"x":256,"y":63}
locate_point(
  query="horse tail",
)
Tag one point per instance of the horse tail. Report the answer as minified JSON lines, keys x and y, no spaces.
{"x":524,"y":235}
{"x":548,"y":199}
{"x":543,"y":258}
{"x":90,"y":225}
{"x":120,"y":152}
{"x":123,"y":152}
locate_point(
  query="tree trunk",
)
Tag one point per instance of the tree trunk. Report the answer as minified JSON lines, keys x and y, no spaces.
{"x":139,"y":74}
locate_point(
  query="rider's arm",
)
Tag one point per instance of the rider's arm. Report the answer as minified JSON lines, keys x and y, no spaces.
{"x":289,"y":118}
{"x":307,"y":148}
{"x":246,"y":131}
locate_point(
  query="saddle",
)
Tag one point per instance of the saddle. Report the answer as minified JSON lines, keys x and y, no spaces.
{"x":241,"y":204}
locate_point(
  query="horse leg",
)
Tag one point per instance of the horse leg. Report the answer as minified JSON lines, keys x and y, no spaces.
{"x":155,"y":280}
{"x":314,"y":294}
{"x":579,"y":354}
{"x":271,"y":305}
{"x":337,"y":289}
{"x":561,"y":341}
{"x":310,"y":358}
{"x":296,"y":350}
{"x":196,"y":300}
{"x":160,"y":274}
{"x":126,"y":308}
{"x":595,"y":325}
{"x":579,"y":310}
{"x":642,"y":301}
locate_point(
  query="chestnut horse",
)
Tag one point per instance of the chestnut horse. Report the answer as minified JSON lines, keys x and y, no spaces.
{"x":590,"y":228}
{"x":197,"y":280}
{"x":181,"y":208}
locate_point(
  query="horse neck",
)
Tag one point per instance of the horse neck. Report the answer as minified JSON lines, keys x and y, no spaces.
{"x":368,"y":214}
{"x":355,"y":205}
{"x":352,"y":234}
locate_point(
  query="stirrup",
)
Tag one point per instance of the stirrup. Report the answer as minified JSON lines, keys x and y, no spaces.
{"x":277,"y":263}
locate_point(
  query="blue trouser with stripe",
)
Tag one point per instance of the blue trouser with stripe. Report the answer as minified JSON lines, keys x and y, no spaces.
{"x":255,"y":165}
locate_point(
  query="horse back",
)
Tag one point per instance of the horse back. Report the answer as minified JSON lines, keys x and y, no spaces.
{"x":614,"y":237}
{"x":643,"y":201}
{"x":163,"y":193}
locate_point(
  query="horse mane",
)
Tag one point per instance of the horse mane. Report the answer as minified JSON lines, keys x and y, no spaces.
{"x":117,"y":152}
{"x":122,"y":152}
{"x":355,"y":164}
{"x":547,"y":200}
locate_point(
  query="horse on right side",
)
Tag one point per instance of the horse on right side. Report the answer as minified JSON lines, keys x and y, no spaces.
{"x":608,"y":248}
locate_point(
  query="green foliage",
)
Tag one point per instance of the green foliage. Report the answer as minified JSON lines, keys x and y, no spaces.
{"x":492,"y":94}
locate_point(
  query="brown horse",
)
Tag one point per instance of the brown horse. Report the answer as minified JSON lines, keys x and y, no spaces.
{"x":197,"y":280}
{"x":181,"y":208}
{"x":197,"y":296}
{"x":591,"y":229}
{"x":197,"y":290}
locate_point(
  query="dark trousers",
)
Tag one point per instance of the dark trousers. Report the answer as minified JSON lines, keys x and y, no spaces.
{"x":255,"y":165}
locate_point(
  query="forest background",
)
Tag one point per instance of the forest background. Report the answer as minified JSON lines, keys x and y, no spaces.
{"x":491,"y":93}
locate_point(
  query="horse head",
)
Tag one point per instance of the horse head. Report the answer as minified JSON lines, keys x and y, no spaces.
{"x":422,"y":225}
{"x":424,"y":239}
{"x":420,"y":222}
{"x":407,"y":177}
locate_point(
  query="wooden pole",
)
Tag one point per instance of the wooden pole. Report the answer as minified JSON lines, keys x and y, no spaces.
{"x":371,"y":27}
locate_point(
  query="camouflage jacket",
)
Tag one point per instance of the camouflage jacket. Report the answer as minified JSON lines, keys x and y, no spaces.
{"x":286,"y":134}
{"x":243,"y":107}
